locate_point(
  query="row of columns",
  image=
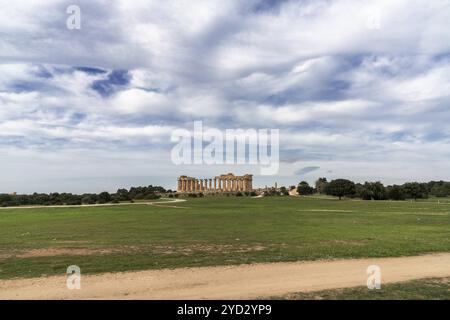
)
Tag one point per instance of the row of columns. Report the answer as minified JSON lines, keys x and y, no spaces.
{"x":222,"y":184}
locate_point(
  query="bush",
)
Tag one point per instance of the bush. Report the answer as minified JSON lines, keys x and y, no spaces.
{"x":284,"y":191}
{"x":152,"y":196}
{"x":396,"y":193}
{"x":104,"y":197}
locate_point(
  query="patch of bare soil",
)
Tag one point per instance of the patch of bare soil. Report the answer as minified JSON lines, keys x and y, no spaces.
{"x":344,"y":242}
{"x":51,"y":252}
{"x":205,"y":248}
{"x":151,"y":249}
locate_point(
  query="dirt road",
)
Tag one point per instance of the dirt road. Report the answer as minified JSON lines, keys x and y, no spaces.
{"x":234,"y":282}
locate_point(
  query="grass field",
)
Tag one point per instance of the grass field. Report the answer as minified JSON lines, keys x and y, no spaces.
{"x":423,"y":289}
{"x":215,"y":231}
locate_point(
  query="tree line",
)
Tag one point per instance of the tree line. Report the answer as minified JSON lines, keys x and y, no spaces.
{"x":46,"y":199}
{"x":376,"y":190}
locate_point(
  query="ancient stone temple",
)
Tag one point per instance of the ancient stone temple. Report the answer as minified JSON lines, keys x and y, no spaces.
{"x":223,"y":183}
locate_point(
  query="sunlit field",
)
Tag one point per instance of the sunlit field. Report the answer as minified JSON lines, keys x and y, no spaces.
{"x":216,"y":231}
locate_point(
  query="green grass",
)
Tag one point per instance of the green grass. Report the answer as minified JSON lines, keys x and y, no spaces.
{"x":423,"y":289}
{"x":217,"y":231}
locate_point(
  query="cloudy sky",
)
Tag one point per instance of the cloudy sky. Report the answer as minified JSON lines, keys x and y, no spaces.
{"x":358,"y":89}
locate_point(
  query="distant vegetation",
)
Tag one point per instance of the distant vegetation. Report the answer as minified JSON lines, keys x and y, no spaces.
{"x":338,"y":188}
{"x":376,"y":190}
{"x":135,"y":193}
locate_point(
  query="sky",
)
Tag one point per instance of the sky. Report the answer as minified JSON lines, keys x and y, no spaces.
{"x":357,"y":89}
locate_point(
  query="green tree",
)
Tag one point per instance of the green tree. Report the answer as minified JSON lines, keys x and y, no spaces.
{"x":396,"y":193}
{"x":415,"y":190}
{"x":441,"y":189}
{"x":362,"y":192}
{"x":340,"y":188}
{"x":122,"y":195}
{"x":104,"y":197}
{"x":304,"y":189}
{"x":377,"y":191}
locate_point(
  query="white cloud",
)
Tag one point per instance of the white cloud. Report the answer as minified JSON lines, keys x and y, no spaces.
{"x":336,"y":89}
{"x":141,"y":101}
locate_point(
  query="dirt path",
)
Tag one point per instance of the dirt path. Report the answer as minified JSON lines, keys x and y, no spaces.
{"x":234,"y":282}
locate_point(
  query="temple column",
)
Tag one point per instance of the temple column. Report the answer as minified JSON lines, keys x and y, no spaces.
{"x":215,"y":184}
{"x":210,"y":184}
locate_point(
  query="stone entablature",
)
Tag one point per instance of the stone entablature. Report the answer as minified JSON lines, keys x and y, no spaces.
{"x":223,"y":183}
